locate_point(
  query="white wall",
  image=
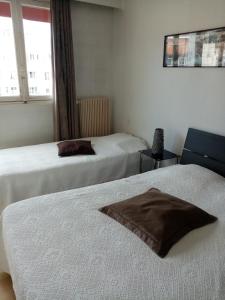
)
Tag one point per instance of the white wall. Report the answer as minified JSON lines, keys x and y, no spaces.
{"x":93,"y":32}
{"x":146,"y":95}
{"x":24,"y":124}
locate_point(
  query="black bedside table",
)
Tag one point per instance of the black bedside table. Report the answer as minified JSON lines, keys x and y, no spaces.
{"x":148,"y":162}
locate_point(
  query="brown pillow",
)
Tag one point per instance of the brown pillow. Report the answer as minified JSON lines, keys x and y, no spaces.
{"x":68,"y":148}
{"x":159,"y":219}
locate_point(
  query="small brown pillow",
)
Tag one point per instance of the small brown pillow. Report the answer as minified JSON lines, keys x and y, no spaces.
{"x":159,"y":219}
{"x":68,"y":148}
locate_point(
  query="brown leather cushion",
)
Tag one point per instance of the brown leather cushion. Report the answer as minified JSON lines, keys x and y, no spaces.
{"x":159,"y":219}
{"x":68,"y":148}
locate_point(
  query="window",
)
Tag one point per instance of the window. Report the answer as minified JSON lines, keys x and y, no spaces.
{"x":33,"y":90}
{"x":47,"y":76}
{"x":25,"y":52}
{"x":31,"y":75}
{"x":36,"y":21}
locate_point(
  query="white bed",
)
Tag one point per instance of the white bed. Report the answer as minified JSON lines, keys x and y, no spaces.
{"x":31,"y":171}
{"x":60,"y":246}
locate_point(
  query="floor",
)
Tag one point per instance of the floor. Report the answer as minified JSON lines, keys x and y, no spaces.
{"x":6,"y":289}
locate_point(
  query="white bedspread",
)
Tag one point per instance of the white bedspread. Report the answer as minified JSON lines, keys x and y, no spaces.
{"x":31,"y":171}
{"x":60,"y":246}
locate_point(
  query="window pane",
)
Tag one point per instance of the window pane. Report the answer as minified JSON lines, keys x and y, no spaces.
{"x":9,"y":85}
{"x":36,"y":23}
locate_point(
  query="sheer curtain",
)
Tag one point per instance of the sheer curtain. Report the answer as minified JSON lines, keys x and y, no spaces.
{"x":65,"y":108}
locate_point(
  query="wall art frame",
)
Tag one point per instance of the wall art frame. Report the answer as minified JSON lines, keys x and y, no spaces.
{"x":204,"y":48}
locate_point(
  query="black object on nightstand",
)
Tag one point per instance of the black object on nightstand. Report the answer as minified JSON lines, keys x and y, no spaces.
{"x":148,"y":162}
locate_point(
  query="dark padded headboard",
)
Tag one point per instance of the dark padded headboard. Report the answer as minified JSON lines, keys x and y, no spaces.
{"x":204,"y":149}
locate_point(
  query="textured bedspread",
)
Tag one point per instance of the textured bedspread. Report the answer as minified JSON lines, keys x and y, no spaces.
{"x":60,"y":246}
{"x":31,"y":171}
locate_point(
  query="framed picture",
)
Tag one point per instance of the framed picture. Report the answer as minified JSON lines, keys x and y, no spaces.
{"x":195,"y":49}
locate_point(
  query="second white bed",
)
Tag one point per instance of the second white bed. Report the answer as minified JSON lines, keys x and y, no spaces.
{"x":31,"y":171}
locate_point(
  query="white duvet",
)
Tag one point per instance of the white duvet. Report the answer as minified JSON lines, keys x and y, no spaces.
{"x":60,"y":246}
{"x":31,"y":171}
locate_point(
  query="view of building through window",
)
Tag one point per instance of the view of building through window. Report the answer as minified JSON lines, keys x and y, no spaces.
{"x":9,"y":85}
{"x":37,"y":38}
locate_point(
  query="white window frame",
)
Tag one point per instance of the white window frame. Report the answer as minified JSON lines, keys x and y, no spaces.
{"x":19,"y":41}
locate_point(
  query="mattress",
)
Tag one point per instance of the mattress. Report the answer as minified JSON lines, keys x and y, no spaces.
{"x":60,"y":246}
{"x":31,"y":171}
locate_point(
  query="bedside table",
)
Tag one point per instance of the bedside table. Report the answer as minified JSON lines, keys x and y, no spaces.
{"x":148,"y":162}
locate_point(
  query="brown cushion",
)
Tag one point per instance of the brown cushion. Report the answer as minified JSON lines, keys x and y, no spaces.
{"x":68,"y":148}
{"x":159,"y":219}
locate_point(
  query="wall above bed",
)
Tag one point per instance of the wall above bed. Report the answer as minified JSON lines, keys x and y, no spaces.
{"x":146,"y":95}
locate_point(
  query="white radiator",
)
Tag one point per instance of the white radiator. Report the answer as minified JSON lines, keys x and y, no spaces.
{"x":94,"y":116}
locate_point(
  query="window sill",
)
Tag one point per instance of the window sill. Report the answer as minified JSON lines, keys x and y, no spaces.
{"x":41,"y":101}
